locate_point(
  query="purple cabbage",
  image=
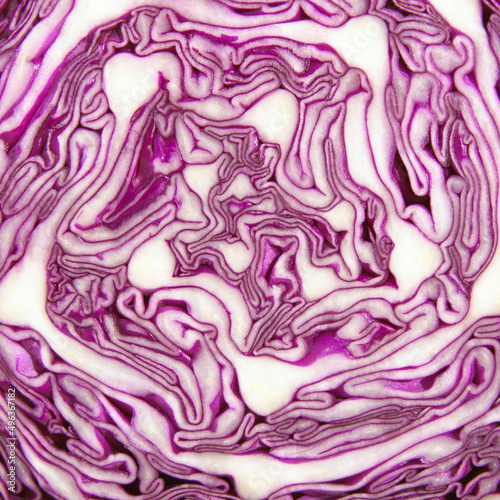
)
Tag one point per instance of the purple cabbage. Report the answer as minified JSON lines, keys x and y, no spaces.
{"x":248,"y":249}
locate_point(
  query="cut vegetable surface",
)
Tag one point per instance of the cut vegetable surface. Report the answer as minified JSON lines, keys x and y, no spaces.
{"x":249,"y":249}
